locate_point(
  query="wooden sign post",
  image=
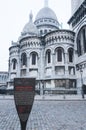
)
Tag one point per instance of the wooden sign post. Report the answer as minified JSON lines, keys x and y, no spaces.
{"x":24,"y":92}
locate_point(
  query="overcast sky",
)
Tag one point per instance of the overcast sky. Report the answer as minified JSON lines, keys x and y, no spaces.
{"x":14,"y":14}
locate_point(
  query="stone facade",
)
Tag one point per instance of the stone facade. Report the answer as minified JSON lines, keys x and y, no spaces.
{"x":75,"y":4}
{"x":48,"y":53}
{"x":78,"y":25}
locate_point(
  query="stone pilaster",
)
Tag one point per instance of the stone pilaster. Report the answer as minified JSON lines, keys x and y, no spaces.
{"x":53,"y":64}
{"x":66,"y":63}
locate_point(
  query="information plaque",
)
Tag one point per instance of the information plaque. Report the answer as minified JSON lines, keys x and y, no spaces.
{"x":24,"y":92}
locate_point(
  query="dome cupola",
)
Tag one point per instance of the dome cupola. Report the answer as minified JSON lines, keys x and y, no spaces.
{"x":30,"y":29}
{"x":46,"y":20}
{"x":46,"y":12}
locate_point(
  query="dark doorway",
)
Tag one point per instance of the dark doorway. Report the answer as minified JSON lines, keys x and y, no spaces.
{"x":84,"y":88}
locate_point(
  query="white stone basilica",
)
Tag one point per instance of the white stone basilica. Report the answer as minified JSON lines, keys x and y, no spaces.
{"x":55,"y":57}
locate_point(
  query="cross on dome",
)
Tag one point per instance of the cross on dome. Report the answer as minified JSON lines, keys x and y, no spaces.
{"x":46,"y":3}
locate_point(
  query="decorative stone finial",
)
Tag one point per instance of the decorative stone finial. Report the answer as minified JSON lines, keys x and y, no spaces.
{"x":46,"y":3}
{"x":31,"y":17}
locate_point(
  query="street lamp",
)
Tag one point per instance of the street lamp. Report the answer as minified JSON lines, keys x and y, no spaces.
{"x":82,"y":92}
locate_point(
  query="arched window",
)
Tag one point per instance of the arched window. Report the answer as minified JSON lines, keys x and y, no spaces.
{"x":79,"y":46}
{"x":84,"y":38}
{"x":48,"y":56}
{"x":70,"y":53}
{"x":24,"y":59}
{"x":45,"y":31}
{"x":41,"y":32}
{"x":34,"y":57}
{"x":81,"y":41}
{"x":59,"y":53}
{"x":14,"y":62}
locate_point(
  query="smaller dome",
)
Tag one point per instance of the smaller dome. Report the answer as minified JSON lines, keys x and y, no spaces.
{"x":30,"y":28}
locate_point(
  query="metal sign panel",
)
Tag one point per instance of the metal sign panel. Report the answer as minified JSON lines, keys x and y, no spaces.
{"x":24,"y":92}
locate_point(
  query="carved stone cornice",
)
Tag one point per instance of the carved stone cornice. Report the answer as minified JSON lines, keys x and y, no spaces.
{"x":60,"y":36}
{"x":31,"y":42}
{"x":78,"y":15}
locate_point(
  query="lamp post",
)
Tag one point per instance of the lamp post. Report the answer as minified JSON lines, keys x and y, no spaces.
{"x":82,"y":92}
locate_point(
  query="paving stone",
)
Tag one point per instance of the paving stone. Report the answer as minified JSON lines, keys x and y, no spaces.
{"x":45,"y":115}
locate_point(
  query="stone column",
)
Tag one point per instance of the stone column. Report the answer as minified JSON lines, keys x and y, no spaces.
{"x":28,"y":61}
{"x":41,"y":87}
{"x":66,"y":63}
{"x":53,"y":64}
{"x":52,"y":84}
{"x":42,"y":63}
{"x":79,"y":86}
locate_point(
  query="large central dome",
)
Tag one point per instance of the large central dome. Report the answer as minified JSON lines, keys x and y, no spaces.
{"x":46,"y":21}
{"x":46,"y":12}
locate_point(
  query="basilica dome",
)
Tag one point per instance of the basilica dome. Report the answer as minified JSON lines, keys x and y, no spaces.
{"x":46,"y":12}
{"x":46,"y":21}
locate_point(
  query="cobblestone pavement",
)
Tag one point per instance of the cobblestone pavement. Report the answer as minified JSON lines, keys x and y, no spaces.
{"x":46,"y":115}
